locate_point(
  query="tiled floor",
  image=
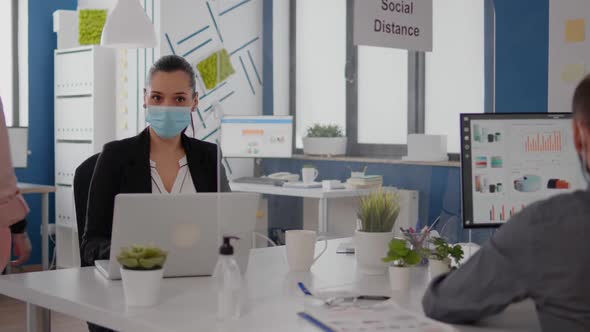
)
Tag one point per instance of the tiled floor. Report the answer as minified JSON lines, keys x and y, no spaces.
{"x":12,"y":318}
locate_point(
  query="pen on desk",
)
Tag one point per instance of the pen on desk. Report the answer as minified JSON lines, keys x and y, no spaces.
{"x":304,"y":289}
{"x":315,"y":322}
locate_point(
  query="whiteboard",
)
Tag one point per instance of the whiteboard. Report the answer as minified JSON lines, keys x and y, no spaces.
{"x":19,"y":146}
{"x":257,"y":136}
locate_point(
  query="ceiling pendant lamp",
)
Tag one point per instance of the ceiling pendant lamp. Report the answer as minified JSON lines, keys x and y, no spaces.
{"x":128,"y":26}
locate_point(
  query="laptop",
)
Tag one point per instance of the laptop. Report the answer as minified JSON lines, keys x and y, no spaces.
{"x":188,"y":227}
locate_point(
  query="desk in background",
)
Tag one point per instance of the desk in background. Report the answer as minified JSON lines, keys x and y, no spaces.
{"x":322,"y":195}
{"x":408,"y":216}
{"x":273,"y":298}
{"x":28,"y":188}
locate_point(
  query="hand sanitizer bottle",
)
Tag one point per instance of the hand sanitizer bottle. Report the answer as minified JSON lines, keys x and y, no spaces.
{"x":228,"y":282}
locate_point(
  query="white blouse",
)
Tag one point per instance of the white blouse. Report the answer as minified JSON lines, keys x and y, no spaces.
{"x":182,"y":185}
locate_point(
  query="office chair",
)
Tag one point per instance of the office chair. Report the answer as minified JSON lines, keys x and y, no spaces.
{"x":82,"y":179}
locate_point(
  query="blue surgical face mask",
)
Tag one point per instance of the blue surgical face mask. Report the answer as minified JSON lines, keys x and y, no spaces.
{"x":168,"y":121}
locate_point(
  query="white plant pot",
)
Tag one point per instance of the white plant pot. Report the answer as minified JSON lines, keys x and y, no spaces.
{"x":370,"y":248}
{"x":141,"y":288}
{"x":322,"y":146}
{"x":399,"y":278}
{"x":438,"y":267}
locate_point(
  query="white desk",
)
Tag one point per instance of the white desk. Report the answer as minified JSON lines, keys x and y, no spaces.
{"x":28,"y":188}
{"x":189,"y":304}
{"x":318,"y":193}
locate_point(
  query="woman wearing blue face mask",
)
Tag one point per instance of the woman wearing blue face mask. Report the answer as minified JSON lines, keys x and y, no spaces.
{"x":160,"y":160}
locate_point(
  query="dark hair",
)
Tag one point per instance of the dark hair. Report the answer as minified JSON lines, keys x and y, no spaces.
{"x":581,"y":102}
{"x":172,"y":63}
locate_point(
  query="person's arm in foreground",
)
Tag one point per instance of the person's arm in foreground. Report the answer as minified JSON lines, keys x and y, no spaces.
{"x":96,"y":241}
{"x":20,"y":242}
{"x":492,"y":279}
{"x":12,"y":206}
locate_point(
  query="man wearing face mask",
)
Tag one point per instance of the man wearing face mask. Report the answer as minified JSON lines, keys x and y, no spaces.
{"x":160,"y":160}
{"x":541,"y":254}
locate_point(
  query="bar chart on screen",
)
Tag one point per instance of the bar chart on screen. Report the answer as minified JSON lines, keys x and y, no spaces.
{"x":501,"y":212}
{"x":543,"y":142}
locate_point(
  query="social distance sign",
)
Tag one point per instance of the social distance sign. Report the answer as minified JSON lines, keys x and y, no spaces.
{"x":404,"y":24}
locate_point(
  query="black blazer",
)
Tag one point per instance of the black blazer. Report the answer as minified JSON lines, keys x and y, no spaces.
{"x":124,"y":168}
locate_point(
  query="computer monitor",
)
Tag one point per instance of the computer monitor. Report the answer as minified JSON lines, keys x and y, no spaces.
{"x":512,"y":160}
{"x":257,"y":136}
{"x":18,"y":138}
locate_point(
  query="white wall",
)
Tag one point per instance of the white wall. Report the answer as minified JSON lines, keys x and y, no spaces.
{"x":240,"y":32}
{"x":568,"y":62}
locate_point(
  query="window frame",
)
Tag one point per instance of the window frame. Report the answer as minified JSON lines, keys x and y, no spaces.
{"x":416,"y":85}
{"x":15,"y":98}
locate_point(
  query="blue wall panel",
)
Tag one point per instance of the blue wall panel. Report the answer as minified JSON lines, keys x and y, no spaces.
{"x":42,"y":42}
{"x":522,"y":55}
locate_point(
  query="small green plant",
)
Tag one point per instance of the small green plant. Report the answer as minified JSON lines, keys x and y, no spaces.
{"x":379,"y":211}
{"x":400,"y":255}
{"x":445,"y":252}
{"x":142,"y":258}
{"x":318,"y":130}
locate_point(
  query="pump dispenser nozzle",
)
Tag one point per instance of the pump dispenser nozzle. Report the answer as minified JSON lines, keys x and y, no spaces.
{"x":226,"y":248}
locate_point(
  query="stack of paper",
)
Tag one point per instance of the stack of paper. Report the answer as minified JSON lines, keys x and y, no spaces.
{"x":365,"y":182}
{"x":375,"y":318}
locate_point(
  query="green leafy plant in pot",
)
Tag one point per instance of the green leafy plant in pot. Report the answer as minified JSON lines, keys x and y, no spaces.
{"x":377,"y":215}
{"x":142,"y":269}
{"x":401,"y":257}
{"x":441,"y":256}
{"x":325,"y":140}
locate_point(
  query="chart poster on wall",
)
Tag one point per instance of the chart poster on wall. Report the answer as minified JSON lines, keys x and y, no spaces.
{"x":257,"y":136}
{"x":403,"y":24}
{"x":513,"y":160}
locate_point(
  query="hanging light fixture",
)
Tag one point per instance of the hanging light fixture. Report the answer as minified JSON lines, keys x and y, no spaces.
{"x":128,"y":26}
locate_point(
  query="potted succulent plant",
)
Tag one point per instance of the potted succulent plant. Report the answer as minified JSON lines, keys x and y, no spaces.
{"x":142,"y":269}
{"x":441,"y":255}
{"x":324,"y":140}
{"x":377,"y":215}
{"x":402,"y":258}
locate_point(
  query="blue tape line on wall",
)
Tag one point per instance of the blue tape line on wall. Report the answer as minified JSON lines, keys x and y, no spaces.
{"x":192,"y":35}
{"x":254,"y":66}
{"x":247,"y":76}
{"x":227,"y":96}
{"x":198,"y":47}
{"x":244,"y":46}
{"x":234,"y":7}
{"x":214,"y":22}
{"x":201,"y":118}
{"x":169,"y":43}
{"x":210,"y":134}
{"x":212,"y":91}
